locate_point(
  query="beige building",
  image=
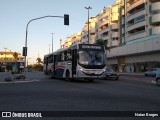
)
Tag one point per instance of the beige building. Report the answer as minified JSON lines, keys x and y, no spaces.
{"x":140,"y":45}
{"x":108,"y":25}
{"x":92,"y":31}
{"x":67,"y":42}
{"x":76,"y":38}
{"x":131,"y":31}
{"x":7,"y":57}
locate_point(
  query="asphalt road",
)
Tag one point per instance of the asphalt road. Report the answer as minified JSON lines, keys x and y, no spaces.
{"x":127,"y":94}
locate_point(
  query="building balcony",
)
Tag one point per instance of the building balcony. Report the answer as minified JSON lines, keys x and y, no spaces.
{"x":136,"y":25}
{"x":84,"y":34}
{"x":107,"y":13}
{"x":115,"y":9}
{"x":85,"y":40}
{"x":103,"y":31}
{"x":92,"y":30}
{"x":115,"y":26}
{"x":136,"y":35}
{"x":103,"y":23}
{"x":105,"y":37}
{"x":127,"y":1}
{"x":156,"y":6}
{"x":115,"y":17}
{"x":155,"y":18}
{"x":154,"y":0}
{"x":85,"y":28}
{"x":136,"y":14}
{"x":114,"y":43}
{"x":135,"y":4}
{"x":156,"y":30}
{"x":115,"y":34}
{"x":123,"y":3}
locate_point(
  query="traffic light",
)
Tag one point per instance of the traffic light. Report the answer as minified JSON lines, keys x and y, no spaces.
{"x":66,"y":19}
{"x":24,"y":51}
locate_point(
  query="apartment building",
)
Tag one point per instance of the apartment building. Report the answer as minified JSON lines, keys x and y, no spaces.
{"x":92,"y":31}
{"x":131,"y":31}
{"x":67,"y":42}
{"x":141,"y":48}
{"x":108,"y":25}
{"x":76,"y":38}
{"x":7,"y":57}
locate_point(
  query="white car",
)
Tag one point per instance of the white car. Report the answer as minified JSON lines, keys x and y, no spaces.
{"x":151,"y":72}
{"x":157,"y":79}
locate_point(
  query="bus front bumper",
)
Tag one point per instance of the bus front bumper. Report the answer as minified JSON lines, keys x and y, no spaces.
{"x":91,"y":74}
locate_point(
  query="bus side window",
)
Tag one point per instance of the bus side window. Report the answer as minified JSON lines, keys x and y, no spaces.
{"x":65,"y":55}
{"x":68,"y":55}
{"x":62,"y":56}
{"x":58,"y":57}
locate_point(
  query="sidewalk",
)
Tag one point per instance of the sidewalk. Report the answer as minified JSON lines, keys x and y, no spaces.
{"x":131,"y":73}
{"x":30,"y":76}
{"x":4,"y":75}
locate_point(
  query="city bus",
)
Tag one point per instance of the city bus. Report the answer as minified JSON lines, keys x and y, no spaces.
{"x":81,"y":61}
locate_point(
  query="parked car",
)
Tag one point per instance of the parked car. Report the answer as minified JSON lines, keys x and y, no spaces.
{"x":110,"y":74}
{"x":157,"y":78}
{"x":151,"y":72}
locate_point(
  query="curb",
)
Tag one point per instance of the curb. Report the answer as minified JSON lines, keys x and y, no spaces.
{"x":139,"y":74}
{"x":19,"y":81}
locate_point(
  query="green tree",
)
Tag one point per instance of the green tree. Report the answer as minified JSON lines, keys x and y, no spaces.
{"x":102,"y":42}
{"x":39,"y":60}
{"x":99,"y":42}
{"x":15,"y":55}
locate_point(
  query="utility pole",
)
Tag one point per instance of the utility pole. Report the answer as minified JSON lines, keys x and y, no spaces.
{"x":66,"y":22}
{"x":49,"y":48}
{"x":88,"y":8}
{"x":5,"y":59}
{"x":52,"y":41}
{"x":60,"y":43}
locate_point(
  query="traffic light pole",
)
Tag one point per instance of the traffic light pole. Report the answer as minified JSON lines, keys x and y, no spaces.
{"x":66,"y":22}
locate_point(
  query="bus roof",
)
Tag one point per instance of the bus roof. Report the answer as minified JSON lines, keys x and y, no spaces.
{"x":72,"y":47}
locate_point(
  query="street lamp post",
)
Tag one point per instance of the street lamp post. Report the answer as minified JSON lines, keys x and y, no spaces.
{"x":88,"y":20}
{"x":52,"y":41}
{"x":60,"y":43}
{"x":27,"y":61}
{"x":5,"y":59}
{"x":66,"y":22}
{"x":49,"y":48}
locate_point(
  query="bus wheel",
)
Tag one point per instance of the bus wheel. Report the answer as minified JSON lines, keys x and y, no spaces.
{"x":68,"y":76}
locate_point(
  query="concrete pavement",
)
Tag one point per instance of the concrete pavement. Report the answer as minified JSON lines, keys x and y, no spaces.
{"x":30,"y":76}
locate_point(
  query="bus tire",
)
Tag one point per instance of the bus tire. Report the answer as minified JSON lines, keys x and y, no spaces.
{"x":68,"y":76}
{"x":158,"y":81}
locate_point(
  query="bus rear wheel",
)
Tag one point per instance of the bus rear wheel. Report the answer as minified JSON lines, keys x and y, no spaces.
{"x":68,"y":76}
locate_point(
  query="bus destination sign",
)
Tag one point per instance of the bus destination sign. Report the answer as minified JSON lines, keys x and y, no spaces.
{"x":93,"y":47}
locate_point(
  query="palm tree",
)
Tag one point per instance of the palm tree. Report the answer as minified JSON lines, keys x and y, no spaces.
{"x":15,"y":55}
{"x":39,"y":60}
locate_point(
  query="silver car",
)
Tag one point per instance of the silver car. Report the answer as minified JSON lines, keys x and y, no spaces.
{"x":151,"y":72}
{"x":157,"y":79}
{"x":110,"y":74}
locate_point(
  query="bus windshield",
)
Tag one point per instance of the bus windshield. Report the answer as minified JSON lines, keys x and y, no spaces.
{"x":91,"y":57}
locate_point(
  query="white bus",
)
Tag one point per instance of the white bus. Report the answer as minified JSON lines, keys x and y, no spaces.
{"x":82,"y":61}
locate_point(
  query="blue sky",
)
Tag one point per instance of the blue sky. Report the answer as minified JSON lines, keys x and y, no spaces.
{"x":15,"y":14}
